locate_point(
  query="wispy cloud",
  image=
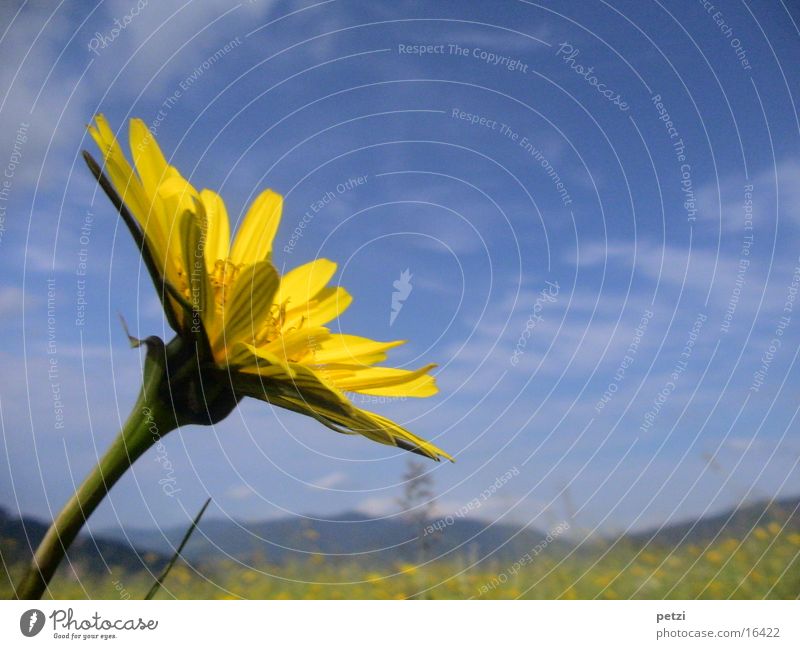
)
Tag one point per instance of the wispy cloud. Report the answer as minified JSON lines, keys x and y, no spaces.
{"x":335,"y":479}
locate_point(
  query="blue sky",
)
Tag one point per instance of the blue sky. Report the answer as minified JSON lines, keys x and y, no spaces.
{"x":494,"y":165}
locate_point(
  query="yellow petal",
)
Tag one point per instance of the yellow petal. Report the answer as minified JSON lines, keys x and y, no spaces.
{"x":201,"y":297}
{"x":147,"y":213}
{"x":218,"y":229}
{"x":178,"y":196}
{"x":303,"y":283}
{"x":247,"y":308}
{"x":354,"y":350}
{"x":118,"y":169}
{"x":107,"y":141}
{"x":150,"y":162}
{"x":298,"y":342}
{"x":132,"y":193}
{"x":397,"y":432}
{"x":253,"y":360}
{"x":329,"y":303}
{"x":254,"y":237}
{"x":175,"y":196}
{"x":317,"y":398}
{"x":385,"y":381}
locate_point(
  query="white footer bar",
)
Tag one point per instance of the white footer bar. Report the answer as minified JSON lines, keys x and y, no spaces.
{"x":401,"y":624}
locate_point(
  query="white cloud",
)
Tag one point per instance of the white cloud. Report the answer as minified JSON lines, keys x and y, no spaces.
{"x":776,"y":195}
{"x":330,"y":480}
{"x":239,"y":492}
{"x":377,"y":506}
{"x":12,"y":300}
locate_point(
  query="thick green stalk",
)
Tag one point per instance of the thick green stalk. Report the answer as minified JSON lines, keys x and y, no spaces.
{"x":150,"y":419}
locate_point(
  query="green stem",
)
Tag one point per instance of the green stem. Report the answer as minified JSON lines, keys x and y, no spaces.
{"x":148,"y":422}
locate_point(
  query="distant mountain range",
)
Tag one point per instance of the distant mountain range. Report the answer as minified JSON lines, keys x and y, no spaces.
{"x":351,"y":535}
{"x":19,"y":535}
{"x":736,"y":523}
{"x":359,"y":537}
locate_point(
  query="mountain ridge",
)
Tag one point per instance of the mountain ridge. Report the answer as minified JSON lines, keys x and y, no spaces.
{"x":355,"y":535}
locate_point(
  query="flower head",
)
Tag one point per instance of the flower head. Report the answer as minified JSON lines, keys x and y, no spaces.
{"x":261,"y":334}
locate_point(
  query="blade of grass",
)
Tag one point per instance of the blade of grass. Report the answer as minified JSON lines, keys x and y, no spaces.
{"x":154,"y":589}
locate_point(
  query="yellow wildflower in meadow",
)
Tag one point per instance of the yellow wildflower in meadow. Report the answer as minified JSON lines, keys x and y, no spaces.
{"x":242,"y":329}
{"x":265,"y":333}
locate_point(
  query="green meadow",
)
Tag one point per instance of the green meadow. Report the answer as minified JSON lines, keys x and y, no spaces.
{"x":763,"y":564}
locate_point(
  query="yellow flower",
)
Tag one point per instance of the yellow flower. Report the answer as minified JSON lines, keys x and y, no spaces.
{"x":407,"y":568}
{"x":570,"y":593}
{"x":729,"y":545}
{"x":261,"y":334}
{"x":374,"y":577}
